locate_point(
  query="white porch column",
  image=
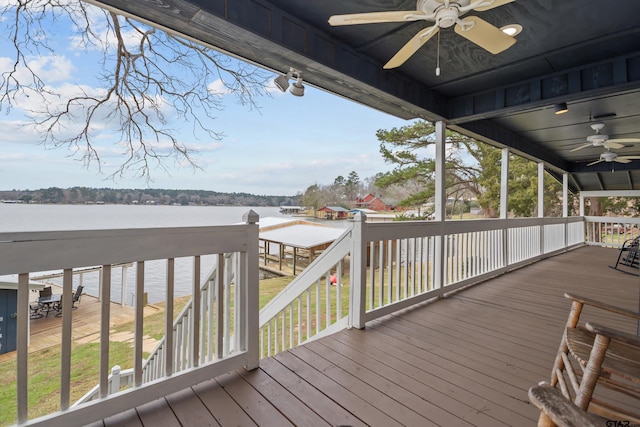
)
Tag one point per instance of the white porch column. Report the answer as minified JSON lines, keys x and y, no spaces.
{"x":581,"y":204}
{"x":440,"y":194}
{"x":565,"y":206}
{"x":504,"y":203}
{"x":541,"y":203}
{"x":540,"y":190}
{"x":357,"y":302}
{"x":504,"y":184}
{"x":251,"y":297}
{"x":440,"y":202}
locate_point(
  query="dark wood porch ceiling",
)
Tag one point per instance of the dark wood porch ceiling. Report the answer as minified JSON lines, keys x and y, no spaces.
{"x":465,"y":360}
{"x":584,"y":53}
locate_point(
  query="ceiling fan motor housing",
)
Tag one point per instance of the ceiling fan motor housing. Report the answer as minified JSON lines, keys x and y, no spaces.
{"x":597,"y":140}
{"x":608,"y":156}
{"x":446,"y":18}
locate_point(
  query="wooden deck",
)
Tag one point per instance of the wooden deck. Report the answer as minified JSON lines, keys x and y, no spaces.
{"x":46,"y":332}
{"x":465,"y":360}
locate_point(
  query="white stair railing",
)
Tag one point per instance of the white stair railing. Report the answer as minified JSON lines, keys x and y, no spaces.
{"x":315,"y":303}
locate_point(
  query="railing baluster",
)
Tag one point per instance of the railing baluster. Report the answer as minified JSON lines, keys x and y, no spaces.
{"x":105,"y":292}
{"x":195,"y":318}
{"x":398,"y":266}
{"x":380,"y":266}
{"x":65,"y":364}
{"x":372,"y":276}
{"x":291,"y":316}
{"x":308,"y":292}
{"x":138,"y":323}
{"x":284,"y":330}
{"x":219,"y":305}
{"x":300,"y":320}
{"x":390,"y":270}
{"x":227,"y":305}
{"x":339,"y":291}
{"x":22,"y":343}
{"x":318,"y":306}
{"x":327,"y":296}
{"x":168,"y":317}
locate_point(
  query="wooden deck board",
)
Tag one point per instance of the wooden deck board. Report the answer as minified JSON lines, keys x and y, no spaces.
{"x":225,"y":410}
{"x":468,"y":359}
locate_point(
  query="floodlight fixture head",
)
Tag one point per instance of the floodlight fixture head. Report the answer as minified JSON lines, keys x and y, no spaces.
{"x":297,"y":89}
{"x":282,"y":81}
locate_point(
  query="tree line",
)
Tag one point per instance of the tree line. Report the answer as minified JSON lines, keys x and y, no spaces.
{"x":83,"y":195}
{"x":472,"y":174}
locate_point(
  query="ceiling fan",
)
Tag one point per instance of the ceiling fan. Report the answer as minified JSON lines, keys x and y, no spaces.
{"x":601,"y":140}
{"x":610,"y":156}
{"x":445,"y":14}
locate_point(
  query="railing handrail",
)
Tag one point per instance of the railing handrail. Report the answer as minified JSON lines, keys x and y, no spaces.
{"x":328,"y":258}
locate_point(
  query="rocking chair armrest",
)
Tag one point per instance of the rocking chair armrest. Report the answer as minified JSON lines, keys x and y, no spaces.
{"x":604,"y":306}
{"x":614,"y":334}
{"x":561,"y":410}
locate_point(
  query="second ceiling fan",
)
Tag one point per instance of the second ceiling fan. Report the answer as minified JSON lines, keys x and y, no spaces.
{"x":445,"y":14}
{"x":601,"y":140}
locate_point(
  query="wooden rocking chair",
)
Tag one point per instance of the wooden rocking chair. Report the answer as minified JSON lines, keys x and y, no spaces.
{"x":593,"y":354}
{"x":629,"y":257}
{"x":560,"y":410}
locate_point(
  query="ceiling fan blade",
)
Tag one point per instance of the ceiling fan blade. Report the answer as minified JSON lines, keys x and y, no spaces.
{"x":581,"y":147}
{"x":621,"y":159}
{"x":411,"y":47}
{"x":495,"y":3}
{"x":485,"y":35}
{"x":625,"y":140}
{"x":611,"y":144}
{"x":629,"y":157}
{"x":376,"y":17}
{"x":595,"y":163}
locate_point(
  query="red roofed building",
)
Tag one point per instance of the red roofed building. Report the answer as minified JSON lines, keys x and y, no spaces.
{"x":372,"y":202}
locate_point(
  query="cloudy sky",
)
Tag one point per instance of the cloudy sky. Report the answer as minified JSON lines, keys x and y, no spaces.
{"x":289,"y":144}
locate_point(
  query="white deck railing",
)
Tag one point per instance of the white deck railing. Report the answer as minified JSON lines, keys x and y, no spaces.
{"x":373,"y":269}
{"x":226,"y":336}
{"x":411,"y":262}
{"x":610,"y":232}
{"x":394,"y":265}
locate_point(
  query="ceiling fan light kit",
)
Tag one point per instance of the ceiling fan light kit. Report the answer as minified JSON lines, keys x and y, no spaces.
{"x":560,"y":108}
{"x":444,"y":14}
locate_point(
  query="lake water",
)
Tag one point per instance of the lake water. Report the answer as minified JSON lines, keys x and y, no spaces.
{"x":26,"y":217}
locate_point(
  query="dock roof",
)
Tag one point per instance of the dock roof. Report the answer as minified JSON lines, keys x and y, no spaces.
{"x":302,"y":235}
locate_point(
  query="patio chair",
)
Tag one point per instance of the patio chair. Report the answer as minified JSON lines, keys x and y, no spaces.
{"x":76,"y":296}
{"x":36,"y":310}
{"x":74,"y":299}
{"x":46,"y":292}
{"x":629,"y":256}
{"x":560,"y":411}
{"x":593,"y":355}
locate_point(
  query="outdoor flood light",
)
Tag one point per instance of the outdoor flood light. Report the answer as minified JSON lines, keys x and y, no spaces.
{"x":282,"y":82}
{"x":297,"y":89}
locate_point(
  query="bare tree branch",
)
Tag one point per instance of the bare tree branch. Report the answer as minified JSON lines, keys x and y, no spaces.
{"x":149,"y":80}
